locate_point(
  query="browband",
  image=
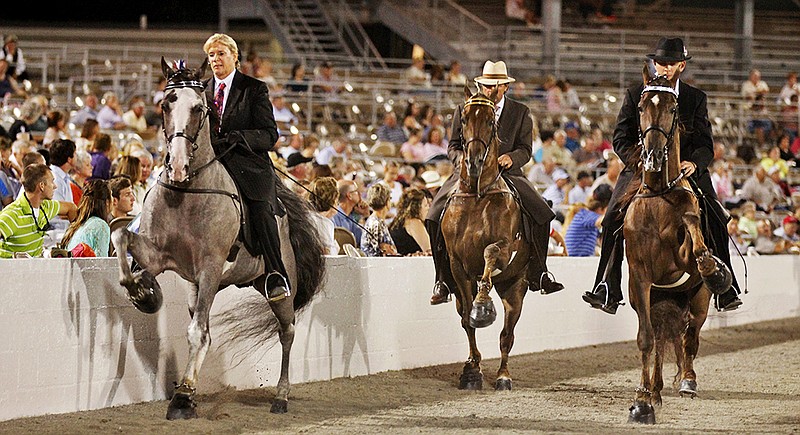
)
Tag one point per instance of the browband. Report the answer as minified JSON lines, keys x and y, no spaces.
{"x":184,"y":84}
{"x":655,"y":88}
{"x":479,"y":102}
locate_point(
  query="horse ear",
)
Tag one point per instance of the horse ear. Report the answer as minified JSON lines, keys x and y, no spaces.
{"x":467,"y":92}
{"x":493,"y":95}
{"x":649,"y":71}
{"x":201,"y":72}
{"x":166,"y":69}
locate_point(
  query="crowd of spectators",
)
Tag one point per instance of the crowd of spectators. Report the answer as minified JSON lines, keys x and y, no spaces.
{"x":380,"y":193}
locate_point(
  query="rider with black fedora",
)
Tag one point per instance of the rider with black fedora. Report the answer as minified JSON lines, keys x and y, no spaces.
{"x":514,"y":130}
{"x":697,"y":152}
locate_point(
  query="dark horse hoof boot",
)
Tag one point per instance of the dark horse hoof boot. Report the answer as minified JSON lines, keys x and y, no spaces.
{"x":441,"y":294}
{"x":482,"y":315}
{"x":181,"y":407}
{"x":145,"y":292}
{"x":689,"y":388}
{"x":642,"y":413}
{"x":471,"y":381}
{"x":279,"y":406}
{"x":502,"y":384}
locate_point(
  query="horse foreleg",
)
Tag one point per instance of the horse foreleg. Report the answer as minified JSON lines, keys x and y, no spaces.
{"x":658,"y":366}
{"x":642,"y":409}
{"x":698,"y":309}
{"x":143,"y":289}
{"x":182,"y":405}
{"x":284,"y":312}
{"x":483,"y":311}
{"x":512,"y":303}
{"x":471,"y":375}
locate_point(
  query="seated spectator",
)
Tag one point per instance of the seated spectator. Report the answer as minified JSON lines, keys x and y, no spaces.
{"x":541,"y":174}
{"x":56,"y":127}
{"x":90,"y":226}
{"x":376,"y":241}
{"x":263,"y":71}
{"x":454,"y":75}
{"x":337,"y":149}
{"x":89,"y":133}
{"x":415,"y":74}
{"x":11,"y":53}
{"x":748,"y":225}
{"x":408,"y":228}
{"x":8,"y":84}
{"x":29,"y":113}
{"x":788,"y":230}
{"x":103,"y":152}
{"x":614,"y":167}
{"x":19,"y":148}
{"x":588,"y":155}
{"x":413,"y":150}
{"x":146,"y":179}
{"x":62,"y":154}
{"x":122,"y":198}
{"x":351,"y":207}
{"x":761,"y":190}
{"x":390,"y":131}
{"x":786,"y":191}
{"x":298,"y":81}
{"x":582,"y":189}
{"x":87,"y":112}
{"x":600,"y":140}
{"x":391,"y":173}
{"x":786,"y":154}
{"x":293,"y":145}
{"x":9,"y":169}
{"x":556,"y":193}
{"x":131,"y":167}
{"x":326,"y":81}
{"x":558,"y":152}
{"x":573,"y":139}
{"x":774,"y":160}
{"x":24,"y":222}
{"x":110,"y":115}
{"x":435,"y":145}
{"x":767,"y":243}
{"x":283,"y":115}
{"x":583,"y":223}
{"x":722,"y":181}
{"x":323,"y":199}
{"x":788,"y":117}
{"x":790,"y":88}
{"x":135,"y":119}
{"x":518,"y":9}
{"x":80,"y":173}
{"x":737,"y":242}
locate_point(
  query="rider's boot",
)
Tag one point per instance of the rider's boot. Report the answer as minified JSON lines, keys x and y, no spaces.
{"x":728,"y":301}
{"x":276,"y":287}
{"x":607,"y":292}
{"x":441,"y":291}
{"x":539,"y":279}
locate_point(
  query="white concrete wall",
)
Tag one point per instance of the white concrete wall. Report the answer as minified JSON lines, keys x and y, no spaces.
{"x":71,"y":341}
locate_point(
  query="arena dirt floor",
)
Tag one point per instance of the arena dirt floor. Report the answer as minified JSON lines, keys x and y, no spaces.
{"x":749,"y":382}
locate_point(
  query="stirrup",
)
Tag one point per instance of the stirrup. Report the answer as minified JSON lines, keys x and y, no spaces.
{"x":283,"y":295}
{"x":552,"y":278}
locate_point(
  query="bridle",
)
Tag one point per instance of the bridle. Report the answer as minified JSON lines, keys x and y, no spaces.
{"x":198,"y":86}
{"x":482,"y":101}
{"x":647,"y":155}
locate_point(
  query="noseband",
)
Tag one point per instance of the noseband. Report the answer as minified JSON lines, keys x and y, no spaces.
{"x":194,"y":84}
{"x":481,"y":101}
{"x":669,"y":135}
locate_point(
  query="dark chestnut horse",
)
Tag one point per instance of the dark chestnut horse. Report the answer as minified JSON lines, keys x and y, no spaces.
{"x":481,"y":228}
{"x":671,"y":270}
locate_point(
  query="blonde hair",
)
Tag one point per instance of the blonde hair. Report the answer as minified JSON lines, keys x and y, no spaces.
{"x":227,"y":41}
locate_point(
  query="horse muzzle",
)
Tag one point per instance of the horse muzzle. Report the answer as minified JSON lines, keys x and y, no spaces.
{"x":652,"y":160}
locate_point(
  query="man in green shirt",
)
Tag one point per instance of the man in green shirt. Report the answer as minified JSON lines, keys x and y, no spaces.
{"x":24,"y":222}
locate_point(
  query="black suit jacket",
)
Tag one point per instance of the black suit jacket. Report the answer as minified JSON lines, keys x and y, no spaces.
{"x":515,"y":131}
{"x":697,"y":144}
{"x":248,"y":113}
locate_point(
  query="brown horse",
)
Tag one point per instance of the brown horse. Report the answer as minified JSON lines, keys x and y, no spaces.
{"x":671,"y":270}
{"x":481,"y":228}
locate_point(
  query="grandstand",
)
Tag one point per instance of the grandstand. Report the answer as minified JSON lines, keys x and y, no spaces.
{"x":599,"y":59}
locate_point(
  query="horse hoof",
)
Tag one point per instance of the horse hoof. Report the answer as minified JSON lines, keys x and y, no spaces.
{"x":145,"y":293}
{"x":471,"y":381}
{"x":482,"y":315}
{"x":642,"y":413}
{"x":181,"y":407}
{"x":279,"y":406}
{"x":502,"y":384}
{"x":689,"y":388}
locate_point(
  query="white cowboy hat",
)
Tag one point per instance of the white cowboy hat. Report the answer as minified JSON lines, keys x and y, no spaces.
{"x":432,"y":179}
{"x":494,"y":73}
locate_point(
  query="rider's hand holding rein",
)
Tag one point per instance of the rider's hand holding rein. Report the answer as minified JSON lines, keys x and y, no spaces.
{"x":688,"y":168}
{"x":505,"y":161}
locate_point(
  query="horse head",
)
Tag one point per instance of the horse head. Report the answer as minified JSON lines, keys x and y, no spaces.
{"x":478,"y":131}
{"x":658,"y":113}
{"x":185,"y":112}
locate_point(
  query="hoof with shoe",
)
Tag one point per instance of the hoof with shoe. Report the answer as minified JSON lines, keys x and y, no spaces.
{"x":502,"y":384}
{"x":181,"y":407}
{"x":279,"y":406}
{"x":471,"y":381}
{"x":482,"y":314}
{"x":688,"y":388}
{"x":642,"y":413}
{"x":145,"y":292}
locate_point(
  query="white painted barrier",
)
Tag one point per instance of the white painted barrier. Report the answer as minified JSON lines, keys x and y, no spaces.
{"x":71,"y":341}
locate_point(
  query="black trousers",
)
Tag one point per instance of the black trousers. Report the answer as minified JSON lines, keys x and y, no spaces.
{"x":265,"y":229}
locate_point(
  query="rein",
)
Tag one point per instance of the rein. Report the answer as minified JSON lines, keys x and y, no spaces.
{"x":482,"y":101}
{"x":670,"y":139}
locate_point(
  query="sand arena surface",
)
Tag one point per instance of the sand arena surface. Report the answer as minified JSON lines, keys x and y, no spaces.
{"x":748,"y":382}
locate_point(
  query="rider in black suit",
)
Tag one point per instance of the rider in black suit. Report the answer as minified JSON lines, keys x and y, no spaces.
{"x":515,"y":131}
{"x":248,"y":126}
{"x":697,"y":152}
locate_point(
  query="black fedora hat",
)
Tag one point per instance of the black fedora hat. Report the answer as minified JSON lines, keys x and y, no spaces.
{"x":670,"y":50}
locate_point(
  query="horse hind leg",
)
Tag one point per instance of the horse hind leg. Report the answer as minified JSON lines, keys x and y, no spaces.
{"x":284,"y":313}
{"x":698,"y":311}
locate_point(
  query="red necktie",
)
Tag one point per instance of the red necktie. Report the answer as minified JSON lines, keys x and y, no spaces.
{"x":219,"y":99}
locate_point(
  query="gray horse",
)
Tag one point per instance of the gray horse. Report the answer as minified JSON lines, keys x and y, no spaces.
{"x":190,"y":224}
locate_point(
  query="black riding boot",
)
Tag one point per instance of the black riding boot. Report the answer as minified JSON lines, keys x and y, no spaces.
{"x":441,"y":264}
{"x":539,"y":278}
{"x":717,"y":231}
{"x":607,"y":292}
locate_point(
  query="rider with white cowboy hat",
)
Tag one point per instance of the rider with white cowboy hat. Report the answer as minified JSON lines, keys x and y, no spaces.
{"x":515,"y":132}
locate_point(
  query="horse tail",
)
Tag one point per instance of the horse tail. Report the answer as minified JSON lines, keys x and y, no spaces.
{"x":307,"y":246}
